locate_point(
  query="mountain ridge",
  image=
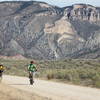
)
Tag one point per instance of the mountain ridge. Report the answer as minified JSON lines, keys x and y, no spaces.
{"x":42,"y":31}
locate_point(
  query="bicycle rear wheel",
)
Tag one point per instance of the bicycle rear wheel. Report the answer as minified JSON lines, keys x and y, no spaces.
{"x":31,"y":81}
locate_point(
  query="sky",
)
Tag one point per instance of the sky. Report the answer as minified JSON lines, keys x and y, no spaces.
{"x":63,"y":3}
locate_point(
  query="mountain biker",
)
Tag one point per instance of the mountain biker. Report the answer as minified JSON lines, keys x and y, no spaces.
{"x":32,"y":69}
{"x":1,"y":70}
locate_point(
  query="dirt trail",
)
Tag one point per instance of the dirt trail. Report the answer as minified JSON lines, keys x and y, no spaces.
{"x":53,"y":90}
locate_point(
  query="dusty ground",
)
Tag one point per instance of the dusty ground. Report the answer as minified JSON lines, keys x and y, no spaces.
{"x":53,"y":90}
{"x":9,"y":93}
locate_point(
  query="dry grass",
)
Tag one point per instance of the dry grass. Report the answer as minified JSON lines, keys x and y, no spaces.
{"x":9,"y":93}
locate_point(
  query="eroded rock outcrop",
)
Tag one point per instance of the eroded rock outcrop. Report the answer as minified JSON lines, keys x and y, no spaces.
{"x":83,"y":12}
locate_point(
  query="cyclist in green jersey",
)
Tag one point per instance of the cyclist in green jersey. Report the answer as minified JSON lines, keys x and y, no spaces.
{"x":32,"y":69}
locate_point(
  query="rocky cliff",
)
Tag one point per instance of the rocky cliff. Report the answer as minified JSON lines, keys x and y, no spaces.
{"x":42,"y":31}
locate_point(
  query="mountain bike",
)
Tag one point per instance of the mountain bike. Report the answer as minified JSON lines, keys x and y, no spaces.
{"x":31,"y":78}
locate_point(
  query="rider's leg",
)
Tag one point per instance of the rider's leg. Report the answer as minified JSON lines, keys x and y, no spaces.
{"x":30,"y":74}
{"x":0,"y":73}
{"x":31,"y":77}
{"x":0,"y":76}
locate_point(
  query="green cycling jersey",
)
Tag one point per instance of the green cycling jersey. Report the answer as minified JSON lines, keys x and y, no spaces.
{"x":32,"y":67}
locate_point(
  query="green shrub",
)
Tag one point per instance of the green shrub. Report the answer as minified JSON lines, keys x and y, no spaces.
{"x":83,"y":72}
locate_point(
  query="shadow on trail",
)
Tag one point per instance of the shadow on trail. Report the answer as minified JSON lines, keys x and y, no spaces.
{"x":18,"y":84}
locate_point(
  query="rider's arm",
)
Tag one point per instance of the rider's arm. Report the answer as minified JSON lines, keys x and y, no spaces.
{"x":35,"y":67}
{"x":4,"y":68}
{"x":28,"y":67}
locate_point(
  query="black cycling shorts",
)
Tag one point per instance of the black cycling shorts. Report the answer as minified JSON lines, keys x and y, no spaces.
{"x":1,"y":71}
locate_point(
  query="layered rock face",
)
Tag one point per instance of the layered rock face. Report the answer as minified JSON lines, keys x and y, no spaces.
{"x":83,"y":12}
{"x":42,"y":31}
